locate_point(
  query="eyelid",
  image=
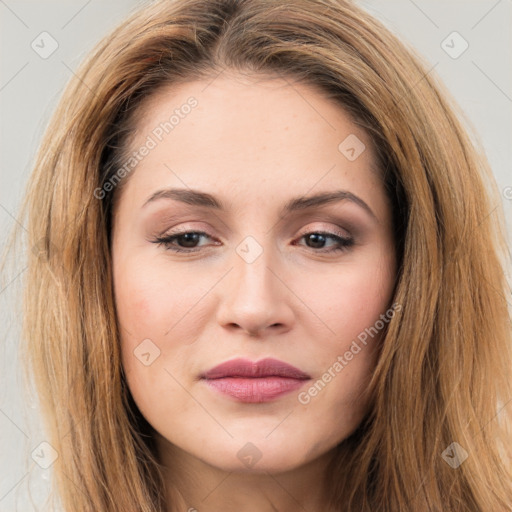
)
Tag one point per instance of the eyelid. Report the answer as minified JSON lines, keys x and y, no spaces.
{"x":342,"y":241}
{"x":336,"y":230}
{"x":186,"y":229}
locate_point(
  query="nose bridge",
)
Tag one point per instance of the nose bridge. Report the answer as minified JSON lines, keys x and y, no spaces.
{"x":253,"y":260}
{"x":256,"y":298}
{"x":255,"y":251}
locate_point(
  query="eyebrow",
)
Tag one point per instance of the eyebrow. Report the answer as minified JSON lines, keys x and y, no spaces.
{"x":203,"y":199}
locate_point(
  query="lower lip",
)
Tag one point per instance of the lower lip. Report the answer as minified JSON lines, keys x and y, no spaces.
{"x":255,"y":390}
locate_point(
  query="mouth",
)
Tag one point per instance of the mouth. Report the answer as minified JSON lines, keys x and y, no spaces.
{"x":255,"y":382}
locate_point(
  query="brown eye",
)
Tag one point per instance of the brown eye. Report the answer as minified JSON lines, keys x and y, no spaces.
{"x":317,"y":240}
{"x":187,"y":241}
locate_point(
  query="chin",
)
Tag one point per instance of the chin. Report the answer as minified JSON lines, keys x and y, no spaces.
{"x":254,"y":455}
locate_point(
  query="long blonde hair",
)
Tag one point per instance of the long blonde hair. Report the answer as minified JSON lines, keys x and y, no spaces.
{"x":443,"y":375}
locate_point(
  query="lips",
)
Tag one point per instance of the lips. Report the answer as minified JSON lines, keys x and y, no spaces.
{"x":264,"y":368}
{"x":254,"y":382}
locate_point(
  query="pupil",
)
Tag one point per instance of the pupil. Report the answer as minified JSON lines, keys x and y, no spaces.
{"x":190,"y":238}
{"x":317,"y":238}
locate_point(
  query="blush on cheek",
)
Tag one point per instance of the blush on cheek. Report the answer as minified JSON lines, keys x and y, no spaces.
{"x":135,"y":307}
{"x":141,"y":304}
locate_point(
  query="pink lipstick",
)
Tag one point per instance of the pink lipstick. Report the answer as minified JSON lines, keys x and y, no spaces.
{"x":255,"y":382}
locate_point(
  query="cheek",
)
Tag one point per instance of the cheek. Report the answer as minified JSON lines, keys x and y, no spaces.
{"x":146,"y":294}
{"x":136,"y":301}
{"x":356,"y":297}
{"x":156,"y":305}
{"x":139,"y":308}
{"x":355,"y":305}
{"x":142,"y":308}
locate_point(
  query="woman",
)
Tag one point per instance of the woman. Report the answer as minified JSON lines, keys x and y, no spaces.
{"x":340,"y":341}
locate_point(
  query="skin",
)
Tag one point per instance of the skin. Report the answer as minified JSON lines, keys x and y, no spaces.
{"x":253,"y":144}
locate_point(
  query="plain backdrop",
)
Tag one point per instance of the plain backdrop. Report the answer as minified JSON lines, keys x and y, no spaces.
{"x":466,"y":43}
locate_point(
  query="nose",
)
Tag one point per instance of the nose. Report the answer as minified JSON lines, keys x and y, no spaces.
{"x":256,"y":297}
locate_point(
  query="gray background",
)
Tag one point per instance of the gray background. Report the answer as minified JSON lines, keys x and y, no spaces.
{"x":480,"y":79}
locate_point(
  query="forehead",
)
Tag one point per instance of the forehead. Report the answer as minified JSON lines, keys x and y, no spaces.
{"x":232,"y":100}
{"x":258,"y":136}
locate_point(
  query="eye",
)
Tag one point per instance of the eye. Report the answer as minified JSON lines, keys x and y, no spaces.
{"x":187,"y":241}
{"x":189,"y":238}
{"x":317,"y":238}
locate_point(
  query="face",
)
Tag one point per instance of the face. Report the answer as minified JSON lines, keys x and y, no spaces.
{"x":253,"y":270}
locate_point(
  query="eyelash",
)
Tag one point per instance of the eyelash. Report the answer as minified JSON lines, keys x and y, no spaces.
{"x":343,"y":242}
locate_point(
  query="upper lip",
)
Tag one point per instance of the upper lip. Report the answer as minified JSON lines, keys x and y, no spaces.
{"x":265,"y":368}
